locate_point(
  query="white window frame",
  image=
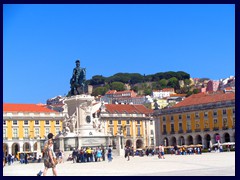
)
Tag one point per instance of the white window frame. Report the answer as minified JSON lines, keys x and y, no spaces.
{"x":15,"y":132}
{"x":25,"y":123}
{"x":47,"y":131}
{"x":14,"y":123}
{"x":36,"y":124}
{"x":26,"y":133}
{"x":36,"y":132}
{"x":57,"y":130}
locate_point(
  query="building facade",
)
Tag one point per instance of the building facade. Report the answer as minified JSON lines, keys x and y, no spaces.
{"x":133,"y":122}
{"x":166,"y":92}
{"x":202,"y":118}
{"x":212,"y":85}
{"x":123,"y":97}
{"x":24,"y":124}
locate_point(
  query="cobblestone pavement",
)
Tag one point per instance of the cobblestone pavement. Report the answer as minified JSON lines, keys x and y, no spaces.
{"x":207,"y":164}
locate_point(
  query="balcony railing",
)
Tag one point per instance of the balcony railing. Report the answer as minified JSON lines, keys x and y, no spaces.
{"x":233,"y":127}
{"x":197,"y":130}
{"x":189,"y":131}
{"x":206,"y":129}
{"x":215,"y":128}
{"x":180,"y":131}
{"x":172,"y":132}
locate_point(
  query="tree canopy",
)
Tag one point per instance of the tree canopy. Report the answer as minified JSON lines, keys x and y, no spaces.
{"x":139,"y":83}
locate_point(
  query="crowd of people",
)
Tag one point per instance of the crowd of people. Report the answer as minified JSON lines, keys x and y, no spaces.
{"x":95,"y":154}
{"x":24,"y":158}
{"x":89,"y":154}
{"x":160,"y":151}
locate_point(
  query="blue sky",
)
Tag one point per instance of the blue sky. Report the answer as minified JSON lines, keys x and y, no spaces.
{"x":42,"y":42}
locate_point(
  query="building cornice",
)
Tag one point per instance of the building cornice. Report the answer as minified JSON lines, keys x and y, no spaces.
{"x":200,"y":107}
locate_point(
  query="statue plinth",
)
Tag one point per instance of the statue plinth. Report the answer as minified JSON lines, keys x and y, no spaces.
{"x":82,"y":122}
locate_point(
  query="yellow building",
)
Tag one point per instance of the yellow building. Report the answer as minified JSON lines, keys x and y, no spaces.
{"x":133,"y":122}
{"x":202,"y":118}
{"x":24,"y":124}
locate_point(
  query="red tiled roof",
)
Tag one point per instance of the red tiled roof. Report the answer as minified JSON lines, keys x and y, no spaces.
{"x":168,"y":89}
{"x":111,"y":92}
{"x":205,"y":98}
{"x":121,"y":92}
{"x":128,"y":108}
{"x":7,"y":107}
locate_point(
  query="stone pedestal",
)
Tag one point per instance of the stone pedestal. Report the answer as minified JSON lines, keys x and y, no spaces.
{"x":84,"y":125}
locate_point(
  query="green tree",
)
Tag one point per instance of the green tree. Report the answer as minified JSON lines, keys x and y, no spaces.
{"x":119,"y":86}
{"x":154,"y":86}
{"x":196,"y":91}
{"x":189,"y":93}
{"x":173,"y":82}
{"x":119,"y":77}
{"x":182,"y":75}
{"x":147,"y":78}
{"x":187,"y":82}
{"x":136,"y":78}
{"x":98,"y":79}
{"x":170,"y":74}
{"x":135,"y":88}
{"x":163,"y":83}
{"x":107,"y":86}
{"x":99,"y":91}
{"x":147,"y":91}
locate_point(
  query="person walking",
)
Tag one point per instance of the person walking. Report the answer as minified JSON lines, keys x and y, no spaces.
{"x":109,"y":153}
{"x":9,"y":158}
{"x":127,"y":152}
{"x":25,"y":158}
{"x":99,"y":154}
{"x":162,"y":152}
{"x":49,"y":159}
{"x":103,"y":153}
{"x":50,"y":137}
{"x":74,"y":155}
